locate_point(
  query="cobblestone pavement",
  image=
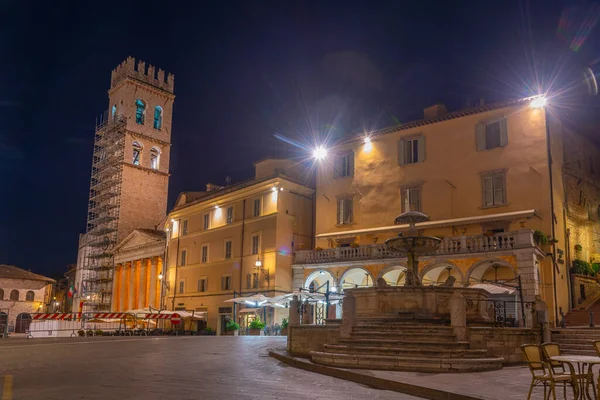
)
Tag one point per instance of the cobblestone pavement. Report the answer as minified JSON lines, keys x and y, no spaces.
{"x":196,"y":368}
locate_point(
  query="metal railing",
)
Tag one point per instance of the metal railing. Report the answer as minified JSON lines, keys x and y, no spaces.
{"x":509,"y":313}
{"x":448,"y":246}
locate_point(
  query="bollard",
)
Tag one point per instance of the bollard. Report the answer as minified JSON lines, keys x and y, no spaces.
{"x":591,"y":319}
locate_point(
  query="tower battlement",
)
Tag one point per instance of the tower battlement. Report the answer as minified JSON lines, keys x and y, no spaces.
{"x":138,"y":70}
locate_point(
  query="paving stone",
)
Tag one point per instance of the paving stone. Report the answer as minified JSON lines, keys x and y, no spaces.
{"x":210,"y":368}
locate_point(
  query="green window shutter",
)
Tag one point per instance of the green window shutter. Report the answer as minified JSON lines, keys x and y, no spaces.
{"x":488,"y":191}
{"x":480,"y":136}
{"x":503,"y":132}
{"x":401,"y":152}
{"x":351,"y":163}
{"x":421,"y":149}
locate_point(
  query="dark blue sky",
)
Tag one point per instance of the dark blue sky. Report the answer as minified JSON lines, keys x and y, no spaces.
{"x":245,"y":71}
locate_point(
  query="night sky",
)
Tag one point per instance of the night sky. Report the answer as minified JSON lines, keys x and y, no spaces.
{"x":244,"y":72}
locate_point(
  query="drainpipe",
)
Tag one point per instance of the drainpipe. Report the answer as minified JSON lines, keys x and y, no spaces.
{"x":241,"y":255}
{"x":176,"y":264}
{"x":552,"y":229}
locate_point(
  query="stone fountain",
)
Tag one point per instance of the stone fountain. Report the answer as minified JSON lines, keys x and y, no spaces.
{"x":413,"y":245}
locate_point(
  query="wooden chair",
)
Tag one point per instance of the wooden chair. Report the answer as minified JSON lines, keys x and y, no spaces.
{"x":542,"y":373}
{"x":553,"y":349}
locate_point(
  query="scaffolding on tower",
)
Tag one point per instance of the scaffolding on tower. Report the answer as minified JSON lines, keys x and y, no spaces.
{"x":103,"y":213}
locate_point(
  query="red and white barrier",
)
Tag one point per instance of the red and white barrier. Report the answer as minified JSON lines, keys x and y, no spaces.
{"x":156,"y":316}
{"x":111,"y":315}
{"x":55,"y":316}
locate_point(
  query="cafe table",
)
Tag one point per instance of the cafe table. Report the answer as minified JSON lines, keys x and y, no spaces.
{"x":584,"y":370}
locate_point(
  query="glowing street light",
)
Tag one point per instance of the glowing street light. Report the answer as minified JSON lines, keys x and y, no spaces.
{"x":160,"y":276}
{"x":368,"y":144}
{"x":320,"y":153}
{"x":539,"y":102}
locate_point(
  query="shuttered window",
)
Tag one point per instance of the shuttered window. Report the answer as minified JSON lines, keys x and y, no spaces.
{"x":204,"y":258}
{"x":344,"y":211}
{"x":344,"y":165}
{"x":494,"y":188}
{"x":228,"y":249}
{"x":226,"y":282}
{"x":411,"y":150}
{"x":411,"y":199}
{"x":183,"y":257}
{"x":202,"y":285}
{"x":490,"y":135}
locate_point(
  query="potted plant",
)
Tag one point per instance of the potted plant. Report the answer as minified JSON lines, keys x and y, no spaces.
{"x":284,"y":326}
{"x":581,"y":267}
{"x":98,"y":332}
{"x":578,"y":248}
{"x":232,"y":328}
{"x":81,"y":332}
{"x":354,"y":245}
{"x":208,"y":331}
{"x":540,"y":238}
{"x":318,"y":248}
{"x":256,"y":327}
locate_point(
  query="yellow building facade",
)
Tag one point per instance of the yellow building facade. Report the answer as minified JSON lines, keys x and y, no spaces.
{"x":491,"y":181}
{"x":216,"y":237}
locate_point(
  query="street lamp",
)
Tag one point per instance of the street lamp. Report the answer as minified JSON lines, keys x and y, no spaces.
{"x":258,"y":266}
{"x":539,"y":102}
{"x":160,"y":276}
{"x":320,"y":153}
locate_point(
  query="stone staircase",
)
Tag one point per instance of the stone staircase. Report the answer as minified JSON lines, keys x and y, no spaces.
{"x":397,"y":344}
{"x":580,"y":317}
{"x":576,"y":340}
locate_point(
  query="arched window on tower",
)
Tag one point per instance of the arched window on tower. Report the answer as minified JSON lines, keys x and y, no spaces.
{"x":154,"y":158}
{"x":113,"y":112}
{"x":140,"y":111}
{"x":158,"y":117}
{"x":137,"y":154}
{"x":14,"y":295}
{"x":29,"y":296}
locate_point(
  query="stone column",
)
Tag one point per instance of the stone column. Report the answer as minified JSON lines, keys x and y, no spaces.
{"x":132,"y":297}
{"x":458,"y":316}
{"x":158,"y":284}
{"x":153,"y":277}
{"x":348,"y":311}
{"x":116,"y":290}
{"x":143,"y":283}
{"x":126,"y":286}
{"x":526,"y":268}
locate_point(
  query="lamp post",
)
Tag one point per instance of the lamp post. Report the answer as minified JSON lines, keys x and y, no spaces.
{"x":258,"y":266}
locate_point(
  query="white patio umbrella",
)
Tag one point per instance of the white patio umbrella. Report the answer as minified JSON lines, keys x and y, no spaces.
{"x":255,"y":300}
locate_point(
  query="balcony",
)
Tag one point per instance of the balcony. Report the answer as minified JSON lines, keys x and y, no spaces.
{"x":457,"y":245}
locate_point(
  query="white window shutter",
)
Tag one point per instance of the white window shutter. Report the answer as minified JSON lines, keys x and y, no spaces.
{"x":401,"y":152}
{"x":488,"y":191}
{"x":421,"y":149}
{"x":480,"y":136}
{"x":503,"y":132}
{"x":498,"y":190}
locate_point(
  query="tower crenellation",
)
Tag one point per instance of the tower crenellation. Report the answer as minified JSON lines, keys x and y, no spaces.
{"x":130,"y":69}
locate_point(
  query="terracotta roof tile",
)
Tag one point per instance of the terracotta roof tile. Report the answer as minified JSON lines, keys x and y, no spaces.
{"x":12,"y":272}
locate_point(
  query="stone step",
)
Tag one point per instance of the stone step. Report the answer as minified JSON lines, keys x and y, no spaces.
{"x":580,"y":352}
{"x":396,"y":363}
{"x":400,"y":321}
{"x":570,"y":340}
{"x":405,"y":352}
{"x":439,"y":337}
{"x":576,"y":346}
{"x":404,"y":343}
{"x":402,"y":328}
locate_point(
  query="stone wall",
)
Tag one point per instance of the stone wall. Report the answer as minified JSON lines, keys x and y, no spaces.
{"x":503,"y":342}
{"x":592,"y":288}
{"x":302,"y":339}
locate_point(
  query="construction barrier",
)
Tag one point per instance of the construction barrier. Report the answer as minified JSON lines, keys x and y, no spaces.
{"x":47,"y":325}
{"x":108,"y":324}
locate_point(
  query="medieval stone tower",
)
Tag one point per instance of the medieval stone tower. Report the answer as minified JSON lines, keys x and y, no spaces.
{"x":130,"y":174}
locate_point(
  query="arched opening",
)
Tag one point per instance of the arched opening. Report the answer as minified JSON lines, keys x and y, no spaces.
{"x":491,"y":270}
{"x":137,"y":154}
{"x":22,"y":323}
{"x":140,"y":111}
{"x":319,"y":278}
{"x":113,"y":112}
{"x":1,"y":294}
{"x":29,"y":295}
{"x":158,"y":111}
{"x":14,"y":295}
{"x":394,"y":276}
{"x":154,"y":158}
{"x":437,"y":274}
{"x":356,"y":277}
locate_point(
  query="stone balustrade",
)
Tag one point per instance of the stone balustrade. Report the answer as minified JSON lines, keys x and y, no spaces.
{"x":449,"y":246}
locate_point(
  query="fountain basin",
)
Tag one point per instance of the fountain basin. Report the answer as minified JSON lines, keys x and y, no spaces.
{"x":425,"y":303}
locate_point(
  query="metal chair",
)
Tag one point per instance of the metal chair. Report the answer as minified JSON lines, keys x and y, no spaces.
{"x":542,"y":373}
{"x":553,"y":349}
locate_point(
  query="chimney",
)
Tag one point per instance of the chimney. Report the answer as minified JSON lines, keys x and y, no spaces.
{"x":434,"y":111}
{"x":211,"y":187}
